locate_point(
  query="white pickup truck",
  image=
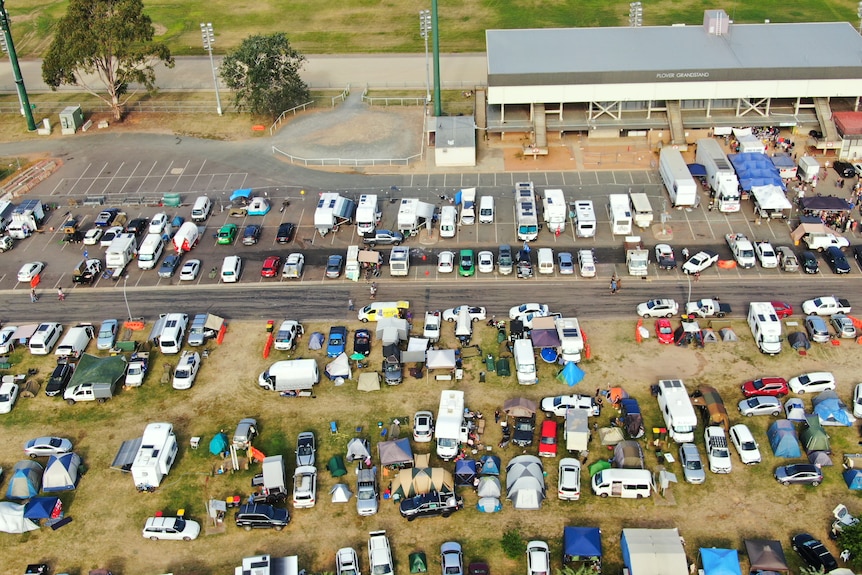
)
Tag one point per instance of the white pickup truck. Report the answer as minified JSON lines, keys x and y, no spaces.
{"x":717,"y":451}
{"x":819,"y":241}
{"x":742,"y":249}
{"x":827,"y":305}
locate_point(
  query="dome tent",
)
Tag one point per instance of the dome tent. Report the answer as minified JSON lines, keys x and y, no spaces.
{"x":219,"y":443}
{"x":61,"y":473}
{"x":25,"y":480}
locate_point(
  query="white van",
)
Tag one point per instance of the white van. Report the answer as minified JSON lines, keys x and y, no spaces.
{"x":677,"y":410}
{"x":75,"y":341}
{"x":525,"y":362}
{"x":231,"y":269}
{"x":625,"y":483}
{"x":448,"y":217}
{"x":546,"y":261}
{"x":173,"y":331}
{"x":150,"y":251}
{"x":486,"y":210}
{"x":201,"y":209}
{"x":45,"y":337}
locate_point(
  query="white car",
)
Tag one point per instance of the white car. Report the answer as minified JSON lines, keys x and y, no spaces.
{"x":346,"y":562}
{"x":93,"y":236}
{"x":171,"y":528}
{"x":30,"y":270}
{"x":8,"y":395}
{"x":812,"y":382}
{"x":7,"y":344}
{"x":525,"y":308}
{"x":431,"y":331}
{"x":136,"y":371}
{"x":158,"y":223}
{"x":423,"y":426}
{"x":587,"y":263}
{"x":446,"y":262}
{"x":109,"y":235}
{"x":857,"y":400}
{"x":827,"y":305}
{"x":658,"y":308}
{"x":293,"y":266}
{"x":485,"y":261}
{"x":304,"y":487}
{"x":379,"y":554}
{"x":760,"y":405}
{"x":558,"y":404}
{"x":700,"y":261}
{"x":570,"y":479}
{"x":749,"y":452}
{"x":766,"y":254}
{"x":538,"y":558}
{"x":187,"y":370}
{"x":190,"y":270}
{"x":476,"y":313}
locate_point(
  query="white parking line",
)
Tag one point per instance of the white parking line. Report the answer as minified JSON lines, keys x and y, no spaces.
{"x":146,"y":177}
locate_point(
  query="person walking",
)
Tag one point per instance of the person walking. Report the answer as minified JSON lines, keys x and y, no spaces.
{"x":60,"y":295}
{"x":613,"y":285}
{"x":33,"y":297}
{"x":350,"y":306}
{"x":685,"y":253}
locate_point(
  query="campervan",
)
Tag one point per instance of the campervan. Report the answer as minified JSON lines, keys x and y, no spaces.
{"x":677,"y":410}
{"x":624,"y":483}
{"x":765,"y":327}
{"x":201,"y":209}
{"x":525,"y":362}
{"x":290,"y":375}
{"x":172,"y":333}
{"x":155,"y":456}
{"x":546,"y":261}
{"x":75,"y":341}
{"x":150,"y":251}
{"x":45,"y":337}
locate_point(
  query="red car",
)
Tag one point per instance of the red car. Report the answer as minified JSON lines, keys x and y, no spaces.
{"x":270,"y":268}
{"x":775,"y":386}
{"x":663,"y":330}
{"x":782,"y":309}
{"x":548,"y":441}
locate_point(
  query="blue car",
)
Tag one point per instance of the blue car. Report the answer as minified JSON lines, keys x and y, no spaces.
{"x":107,"y":334}
{"x":337,"y":340}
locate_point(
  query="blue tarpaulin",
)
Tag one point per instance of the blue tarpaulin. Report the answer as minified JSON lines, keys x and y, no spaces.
{"x":831,"y":410}
{"x":571,"y":374}
{"x":720,"y":561}
{"x":755,"y":169}
{"x":698,"y":170}
{"x":580,"y":543}
{"x":244,"y":193}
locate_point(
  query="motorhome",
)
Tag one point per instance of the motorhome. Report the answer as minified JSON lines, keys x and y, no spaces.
{"x":155,"y":456}
{"x":620,"y":214}
{"x":641,"y":210}
{"x":765,"y":327}
{"x":150,"y":251}
{"x":571,"y":338}
{"x":554,"y":210}
{"x":525,"y":209}
{"x":399,"y":261}
{"x":585,"y":219}
{"x":367,"y":214}
{"x":448,"y":218}
{"x":525,"y":361}
{"x":677,"y":410}
{"x":624,"y":483}
{"x":468,"y":206}
{"x":447,"y":430}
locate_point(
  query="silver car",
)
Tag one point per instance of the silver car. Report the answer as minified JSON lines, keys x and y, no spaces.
{"x":367,"y":493}
{"x":305,"y":449}
{"x":692,"y":465}
{"x":817,"y":329}
{"x":843,"y":326}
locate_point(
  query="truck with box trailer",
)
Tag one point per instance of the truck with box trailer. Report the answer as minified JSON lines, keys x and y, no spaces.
{"x":293,"y":375}
{"x":681,"y":187}
{"x":555,"y":211}
{"x":720,"y":175}
{"x":637,"y":256}
{"x":809,"y":169}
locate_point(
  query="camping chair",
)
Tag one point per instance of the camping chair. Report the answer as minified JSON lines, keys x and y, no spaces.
{"x":333,"y":428}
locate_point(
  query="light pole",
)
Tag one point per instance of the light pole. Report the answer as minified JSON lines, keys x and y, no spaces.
{"x":208,"y":37}
{"x":16,"y":69}
{"x":125,"y":299}
{"x":424,"y":31}
{"x":859,"y":14}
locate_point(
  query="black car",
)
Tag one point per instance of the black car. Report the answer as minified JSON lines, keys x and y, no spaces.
{"x":813,"y":552}
{"x":169,"y":266}
{"x":809,"y":263}
{"x":845,"y":169}
{"x":524,"y":266}
{"x":250,"y":235}
{"x":836,"y":260}
{"x":385,"y":238}
{"x":106,"y":217}
{"x":285,"y":233}
{"x":857,"y":254}
{"x":59,"y":379}
{"x":137,"y":226}
{"x":522,"y":430}
{"x":430,"y":504}
{"x":259,"y":516}
{"x":362,"y":342}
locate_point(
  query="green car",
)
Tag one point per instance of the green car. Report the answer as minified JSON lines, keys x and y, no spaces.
{"x":227,"y":234}
{"x":466,"y":263}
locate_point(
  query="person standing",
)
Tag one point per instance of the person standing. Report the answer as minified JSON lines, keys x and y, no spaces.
{"x":33,"y":297}
{"x":60,"y":295}
{"x":350,"y":306}
{"x":685,"y":253}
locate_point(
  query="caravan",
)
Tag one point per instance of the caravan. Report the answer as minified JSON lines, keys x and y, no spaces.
{"x":677,"y":410}
{"x":765,"y":327}
{"x":554,"y":208}
{"x":155,"y":456}
{"x":367,"y":214}
{"x":620,"y":214}
{"x":641,"y":210}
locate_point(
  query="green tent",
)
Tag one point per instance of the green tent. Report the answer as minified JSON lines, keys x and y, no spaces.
{"x":813,"y":436}
{"x":92,"y":369}
{"x":599,"y":466}
{"x":418,"y":562}
{"x":336,"y":466}
{"x":503,"y":368}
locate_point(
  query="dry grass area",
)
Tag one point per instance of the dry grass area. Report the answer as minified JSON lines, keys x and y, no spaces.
{"x":108,"y":513}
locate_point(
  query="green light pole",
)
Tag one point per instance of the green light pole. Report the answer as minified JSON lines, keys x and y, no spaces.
{"x":435,"y":32}
{"x":16,"y":69}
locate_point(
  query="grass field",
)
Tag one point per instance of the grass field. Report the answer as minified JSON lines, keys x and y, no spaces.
{"x":357,"y":26}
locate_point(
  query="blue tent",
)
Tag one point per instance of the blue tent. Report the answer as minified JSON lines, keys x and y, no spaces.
{"x":831,"y":410}
{"x":755,"y":169}
{"x":218,"y":444}
{"x":61,"y":473}
{"x":853,"y":479}
{"x":25,"y":480}
{"x":43,"y":508}
{"x":465,"y":472}
{"x":783,"y":440}
{"x":581,"y":543}
{"x":571,"y":374}
{"x":720,"y":561}
{"x":490,"y":465}
{"x":241,"y":194}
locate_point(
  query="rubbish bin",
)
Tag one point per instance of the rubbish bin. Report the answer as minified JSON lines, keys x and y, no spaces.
{"x":270,"y":325}
{"x":481,"y":377}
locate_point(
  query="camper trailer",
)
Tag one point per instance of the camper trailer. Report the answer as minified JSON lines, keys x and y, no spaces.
{"x":155,"y":456}
{"x":585,"y":219}
{"x":333,"y":210}
{"x":413,"y":214}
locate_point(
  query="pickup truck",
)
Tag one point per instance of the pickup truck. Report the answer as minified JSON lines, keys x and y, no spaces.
{"x":379,"y":553}
{"x":717,"y":451}
{"x":827,"y":305}
{"x":137,"y":369}
{"x":819,"y":242}
{"x":707,"y":308}
{"x":742,"y":249}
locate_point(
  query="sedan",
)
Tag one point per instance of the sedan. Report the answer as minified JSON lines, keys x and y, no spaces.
{"x":451,"y":560}
{"x":817,"y":330}
{"x":45,"y":446}
{"x":93,"y":236}
{"x":30,"y":270}
{"x":692,"y":464}
{"x":843,"y":326}
{"x":251,"y":235}
{"x":465,"y":263}
{"x":527,"y":308}
{"x":476,"y":313}
{"x":836,"y":260}
{"x":337,"y":341}
{"x":271,"y":266}
{"x":485,"y":261}
{"x":658,"y":308}
{"x":664,"y":257}
{"x":423,"y":426}
{"x":857,"y":400}
{"x":8,"y":395}
{"x":285,"y":233}
{"x":812,"y":382}
{"x":169,"y":266}
{"x":775,"y":386}
{"x":446,"y":262}
{"x":362,"y":342}
{"x":663,"y":330}
{"x":109,"y":236}
{"x":804,"y":473}
{"x":538,"y":558}
{"x":813,"y":552}
{"x":107,"y":334}
{"x":760,"y":405}
{"x":306,"y":452}
{"x":809,"y":263}
{"x":333,"y":266}
{"x":566,"y":263}
{"x":700,"y":261}
{"x":190,"y":270}
{"x":346,"y":562}
{"x":569,"y":487}
{"x":782,"y":309}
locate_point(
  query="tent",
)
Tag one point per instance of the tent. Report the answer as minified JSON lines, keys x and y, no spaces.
{"x":582,"y":544}
{"x":727,"y":334}
{"x":755,"y":169}
{"x":368,"y":381}
{"x":395,"y":452}
{"x":241,"y":196}
{"x":765,"y":555}
{"x":628,"y":455}
{"x":489,"y":487}
{"x":616,"y":394}
{"x":61,"y":473}
{"x":782,"y":439}
{"x":820,"y":458}
{"x":794,"y":409}
{"x":418,"y":562}
{"x":653,"y":552}
{"x":465,"y":472}
{"x":632,"y":418}
{"x":490,"y":465}
{"x":43,"y":508}
{"x":811,"y":228}
{"x":339,"y":368}
{"x":825,"y":204}
{"x":92,"y":369}
{"x":771,"y":201}
{"x":519,"y":407}
{"x":712,"y":406}
{"x":610,"y":435}
{"x":12,"y":518}
{"x":813,"y":437}
{"x":418,"y":480}
{"x":489,"y":505}
{"x":336,"y":466}
{"x":315,"y":341}
{"x":25,"y":480}
{"x":417,"y":347}
{"x":219,"y":443}
{"x":831,"y":410}
{"x":440,"y":359}
{"x":503,"y":367}
{"x":392,"y":330}
{"x":720,"y":561}
{"x":798,"y":340}
{"x":599,"y":465}
{"x":525,"y":482}
{"x":340,"y":493}
{"x":358,"y":449}
{"x":853,"y":478}
{"x":544,"y":332}
{"x":571,"y":374}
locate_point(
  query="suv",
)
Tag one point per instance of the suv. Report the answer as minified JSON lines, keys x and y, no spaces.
{"x":745,"y":445}
{"x":504,"y":260}
{"x":430,"y":504}
{"x":367,"y":494}
{"x":522,"y":433}
{"x":717,"y":451}
{"x":384,"y":238}
{"x":59,"y":379}
{"x":379,"y":554}
{"x":259,"y":516}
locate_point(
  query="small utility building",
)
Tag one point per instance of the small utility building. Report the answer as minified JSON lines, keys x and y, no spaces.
{"x":455,"y":141}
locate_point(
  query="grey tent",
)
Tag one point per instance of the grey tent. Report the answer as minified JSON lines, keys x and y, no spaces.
{"x":395,"y":452}
{"x":798,"y":340}
{"x":765,"y":555}
{"x":392,"y":330}
{"x":416,"y":349}
{"x":727,"y":334}
{"x":61,"y":473}
{"x":628,"y":455}
{"x":358,"y":449}
{"x":820,"y":458}
{"x":25,"y":480}
{"x":489,"y":486}
{"x":519,"y":407}
{"x":340,"y":493}
{"x":368,"y":381}
{"x":315,"y":341}
{"x":12,"y":518}
{"x":525,"y":482}
{"x":709,"y":336}
{"x":440,"y":359}
{"x":339,"y":368}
